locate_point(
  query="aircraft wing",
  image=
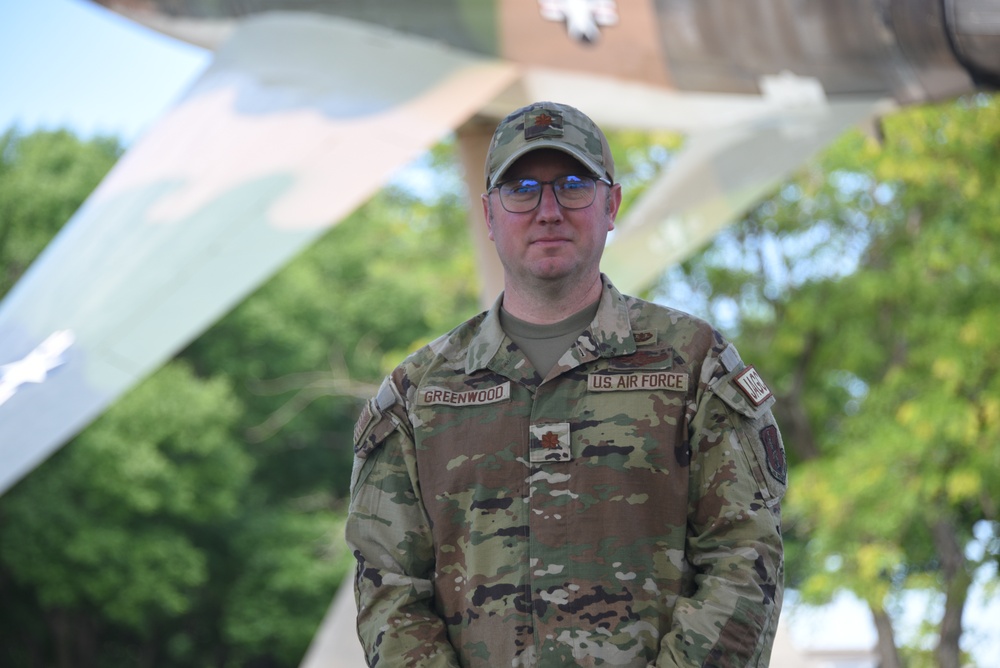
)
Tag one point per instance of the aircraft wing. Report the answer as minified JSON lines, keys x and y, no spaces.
{"x":716,"y":178}
{"x":299,"y":119}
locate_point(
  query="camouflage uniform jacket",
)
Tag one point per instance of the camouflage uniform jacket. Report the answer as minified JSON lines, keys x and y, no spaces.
{"x":625,"y":511}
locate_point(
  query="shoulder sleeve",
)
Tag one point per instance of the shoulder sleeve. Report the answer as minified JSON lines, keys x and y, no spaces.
{"x":734,"y":544}
{"x":388,"y":532}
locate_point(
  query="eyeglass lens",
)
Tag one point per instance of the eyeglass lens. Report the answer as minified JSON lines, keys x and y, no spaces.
{"x":572,"y":192}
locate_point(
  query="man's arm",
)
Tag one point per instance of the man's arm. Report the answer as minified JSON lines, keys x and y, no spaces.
{"x":734,"y":529}
{"x":389,"y":535}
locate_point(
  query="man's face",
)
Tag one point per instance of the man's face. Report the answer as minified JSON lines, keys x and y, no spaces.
{"x":551,"y":242}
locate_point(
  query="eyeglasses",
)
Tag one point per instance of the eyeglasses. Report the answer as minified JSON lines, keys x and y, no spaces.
{"x":572,"y":192}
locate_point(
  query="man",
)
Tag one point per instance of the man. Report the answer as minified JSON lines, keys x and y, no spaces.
{"x":575,"y":477}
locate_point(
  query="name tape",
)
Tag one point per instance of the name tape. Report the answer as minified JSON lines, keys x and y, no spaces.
{"x":480,"y":397}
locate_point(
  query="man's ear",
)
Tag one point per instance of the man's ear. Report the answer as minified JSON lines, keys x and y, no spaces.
{"x":614,"y":203}
{"x":486,"y":214}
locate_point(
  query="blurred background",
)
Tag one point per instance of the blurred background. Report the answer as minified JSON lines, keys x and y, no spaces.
{"x":198,"y":521}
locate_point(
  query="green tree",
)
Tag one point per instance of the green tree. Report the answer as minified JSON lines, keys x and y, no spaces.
{"x":866,"y":288}
{"x":44,"y":177}
{"x":108,"y":531}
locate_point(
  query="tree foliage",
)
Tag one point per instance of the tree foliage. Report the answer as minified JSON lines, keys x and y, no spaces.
{"x":866,"y":287}
{"x":44,"y":177}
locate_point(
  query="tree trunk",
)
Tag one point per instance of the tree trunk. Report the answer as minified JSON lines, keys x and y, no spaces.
{"x":86,"y":640}
{"x":61,"y":629}
{"x":75,"y":636}
{"x":888,"y":655}
{"x":956,"y":589}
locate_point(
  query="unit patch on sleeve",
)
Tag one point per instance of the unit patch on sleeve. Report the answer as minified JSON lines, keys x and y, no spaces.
{"x":775,"y":453}
{"x":750,"y":382}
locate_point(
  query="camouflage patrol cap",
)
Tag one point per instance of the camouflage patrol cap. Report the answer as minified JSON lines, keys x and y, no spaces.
{"x":548,"y":125}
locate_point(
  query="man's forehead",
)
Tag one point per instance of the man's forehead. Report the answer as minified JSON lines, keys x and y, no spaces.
{"x":545,"y":158}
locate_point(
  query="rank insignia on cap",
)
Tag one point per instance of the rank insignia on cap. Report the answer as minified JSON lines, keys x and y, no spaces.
{"x":542,"y":124}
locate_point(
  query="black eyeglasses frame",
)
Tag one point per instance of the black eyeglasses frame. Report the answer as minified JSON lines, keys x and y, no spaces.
{"x":555,"y":191}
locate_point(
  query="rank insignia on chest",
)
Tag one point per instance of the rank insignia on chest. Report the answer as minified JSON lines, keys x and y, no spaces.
{"x":550,"y":443}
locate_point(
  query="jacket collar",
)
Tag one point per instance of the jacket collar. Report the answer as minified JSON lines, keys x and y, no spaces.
{"x":609,"y":335}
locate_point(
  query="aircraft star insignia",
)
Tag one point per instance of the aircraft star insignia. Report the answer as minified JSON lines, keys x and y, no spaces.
{"x":35,"y":366}
{"x":583,"y":18}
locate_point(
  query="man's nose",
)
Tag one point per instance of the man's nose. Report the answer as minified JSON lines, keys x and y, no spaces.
{"x":549,"y":207}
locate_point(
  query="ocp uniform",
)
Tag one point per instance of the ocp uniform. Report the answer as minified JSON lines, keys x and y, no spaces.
{"x":557,"y":512}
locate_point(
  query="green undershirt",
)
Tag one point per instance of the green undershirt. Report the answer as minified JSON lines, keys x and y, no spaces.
{"x":543,"y":345}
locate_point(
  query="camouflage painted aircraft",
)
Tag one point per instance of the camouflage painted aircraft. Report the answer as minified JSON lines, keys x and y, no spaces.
{"x":309,"y":106}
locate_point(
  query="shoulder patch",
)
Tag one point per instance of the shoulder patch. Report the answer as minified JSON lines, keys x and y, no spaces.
{"x":744,"y":392}
{"x":364,"y":420}
{"x":375,"y":422}
{"x":752,"y":385}
{"x":774,"y":453}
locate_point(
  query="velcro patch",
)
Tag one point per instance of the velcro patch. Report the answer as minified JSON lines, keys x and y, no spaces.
{"x":774,"y":453}
{"x":479,"y":397}
{"x":544,"y":123}
{"x":731,"y":359}
{"x":647,"y":338}
{"x":645,"y":359}
{"x":371,"y":429}
{"x":641,"y":380}
{"x":750,"y":382}
{"x":550,"y":443}
{"x":365,"y":419}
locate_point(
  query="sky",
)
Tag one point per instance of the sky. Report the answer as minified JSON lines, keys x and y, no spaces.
{"x":72,"y":64}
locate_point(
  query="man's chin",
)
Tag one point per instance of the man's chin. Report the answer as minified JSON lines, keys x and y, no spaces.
{"x":554,"y":272}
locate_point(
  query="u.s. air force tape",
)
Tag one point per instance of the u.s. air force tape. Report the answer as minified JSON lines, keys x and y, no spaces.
{"x":638,"y":380}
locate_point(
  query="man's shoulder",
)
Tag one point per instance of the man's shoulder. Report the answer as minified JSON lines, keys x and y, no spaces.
{"x":648,"y":314}
{"x":450,"y":347}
